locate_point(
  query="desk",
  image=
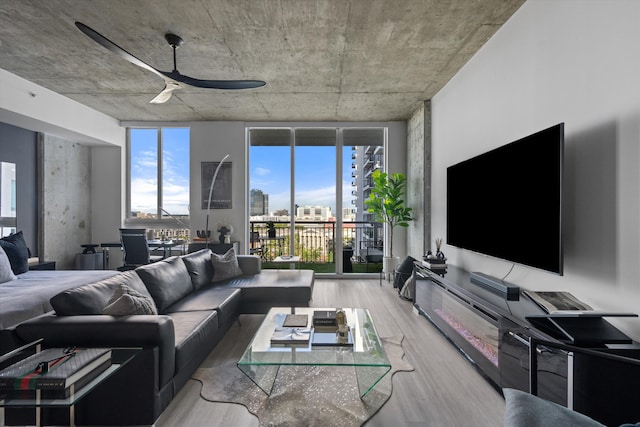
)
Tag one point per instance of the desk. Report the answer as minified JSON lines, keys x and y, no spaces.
{"x":216,"y":247}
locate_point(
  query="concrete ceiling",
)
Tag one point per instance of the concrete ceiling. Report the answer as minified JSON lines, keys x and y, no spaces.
{"x":323,"y":60}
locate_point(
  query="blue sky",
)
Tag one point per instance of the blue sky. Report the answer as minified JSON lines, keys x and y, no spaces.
{"x":315,"y":175}
{"x":144,"y":155}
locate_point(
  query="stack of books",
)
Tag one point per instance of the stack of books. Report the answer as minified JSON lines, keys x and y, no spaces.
{"x":290,"y":336}
{"x":433,"y":263}
{"x":53,"y":371}
{"x":325,"y":321}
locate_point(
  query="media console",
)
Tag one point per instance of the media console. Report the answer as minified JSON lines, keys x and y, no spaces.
{"x":493,"y":330}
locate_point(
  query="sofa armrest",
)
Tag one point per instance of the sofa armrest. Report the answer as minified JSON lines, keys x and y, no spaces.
{"x":249,"y":264}
{"x":106,"y":331}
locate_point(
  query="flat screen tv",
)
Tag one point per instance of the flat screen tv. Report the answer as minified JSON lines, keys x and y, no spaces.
{"x":507,"y":203}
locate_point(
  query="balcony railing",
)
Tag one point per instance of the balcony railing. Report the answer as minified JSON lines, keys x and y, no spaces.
{"x":315,"y":244}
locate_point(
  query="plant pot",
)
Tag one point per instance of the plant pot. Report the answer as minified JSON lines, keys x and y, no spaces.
{"x":389,"y":264}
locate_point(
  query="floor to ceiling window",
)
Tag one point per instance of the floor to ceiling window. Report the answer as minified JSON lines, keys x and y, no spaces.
{"x":158,"y":184}
{"x":308,"y":187}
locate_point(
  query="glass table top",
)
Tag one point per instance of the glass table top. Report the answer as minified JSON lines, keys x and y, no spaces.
{"x":261,"y":359}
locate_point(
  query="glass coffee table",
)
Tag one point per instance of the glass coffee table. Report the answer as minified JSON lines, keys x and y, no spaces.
{"x":262,"y":360}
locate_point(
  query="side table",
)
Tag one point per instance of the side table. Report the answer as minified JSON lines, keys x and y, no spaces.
{"x":291,"y":260}
{"x":119,"y":358}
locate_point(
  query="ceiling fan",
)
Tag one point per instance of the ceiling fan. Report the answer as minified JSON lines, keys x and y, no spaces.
{"x":173,"y":80}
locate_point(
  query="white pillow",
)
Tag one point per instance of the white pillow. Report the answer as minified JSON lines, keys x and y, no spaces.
{"x":126,"y":301}
{"x":6,"y":274}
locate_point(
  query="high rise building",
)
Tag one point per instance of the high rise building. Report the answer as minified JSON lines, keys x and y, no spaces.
{"x":259,"y":203}
{"x":365,"y":159}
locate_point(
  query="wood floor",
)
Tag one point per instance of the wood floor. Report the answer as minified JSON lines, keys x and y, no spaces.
{"x":444,"y":390}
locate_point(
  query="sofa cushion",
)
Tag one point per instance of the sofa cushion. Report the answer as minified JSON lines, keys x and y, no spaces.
{"x":6,"y":274}
{"x":92,"y":298}
{"x":195,"y":333}
{"x":249,"y":264}
{"x":199,"y":267}
{"x":16,"y":249}
{"x":167,"y":281}
{"x":273,"y":288}
{"x":126,"y":301}
{"x":225,"y":266}
{"x":226,"y":301}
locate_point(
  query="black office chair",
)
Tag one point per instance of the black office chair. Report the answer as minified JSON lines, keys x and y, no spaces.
{"x":135,"y":248}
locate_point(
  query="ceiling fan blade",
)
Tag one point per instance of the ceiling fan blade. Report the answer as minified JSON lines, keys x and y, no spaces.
{"x":214,"y":84}
{"x":166,"y":93}
{"x":105,"y":42}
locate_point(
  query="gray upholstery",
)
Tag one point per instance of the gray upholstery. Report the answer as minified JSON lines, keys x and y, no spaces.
{"x":526,"y":410}
{"x":225,"y":266}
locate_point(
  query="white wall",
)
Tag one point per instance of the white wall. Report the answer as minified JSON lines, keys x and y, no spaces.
{"x":571,"y":61}
{"x":210,"y":142}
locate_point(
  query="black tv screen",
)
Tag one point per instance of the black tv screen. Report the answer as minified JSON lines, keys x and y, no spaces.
{"x":507,"y":202}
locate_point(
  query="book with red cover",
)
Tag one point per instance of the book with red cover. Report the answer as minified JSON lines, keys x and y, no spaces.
{"x":54,"y":371}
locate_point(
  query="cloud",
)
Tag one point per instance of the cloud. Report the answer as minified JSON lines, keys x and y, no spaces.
{"x":261,"y":171}
{"x":144,"y":197}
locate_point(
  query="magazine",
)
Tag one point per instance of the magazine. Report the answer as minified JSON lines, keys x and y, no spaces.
{"x":555,"y":301}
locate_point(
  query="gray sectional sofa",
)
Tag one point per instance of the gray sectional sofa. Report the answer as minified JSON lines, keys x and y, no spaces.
{"x":194,"y":313}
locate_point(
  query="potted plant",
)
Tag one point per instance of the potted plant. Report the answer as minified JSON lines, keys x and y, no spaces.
{"x":271,"y":229}
{"x":387,"y":203}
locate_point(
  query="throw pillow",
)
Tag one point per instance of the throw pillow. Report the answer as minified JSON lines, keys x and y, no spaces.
{"x":199,"y":267}
{"x":16,"y":249}
{"x":6,"y":274}
{"x":93,"y":297}
{"x":167,"y":281}
{"x":403,"y":272}
{"x":126,"y":301}
{"x":225,"y":266}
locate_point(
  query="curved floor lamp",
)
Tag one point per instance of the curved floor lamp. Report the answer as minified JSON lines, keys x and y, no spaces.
{"x":213,"y":181}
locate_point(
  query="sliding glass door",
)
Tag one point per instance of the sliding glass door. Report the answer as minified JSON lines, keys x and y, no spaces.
{"x":307,"y":190}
